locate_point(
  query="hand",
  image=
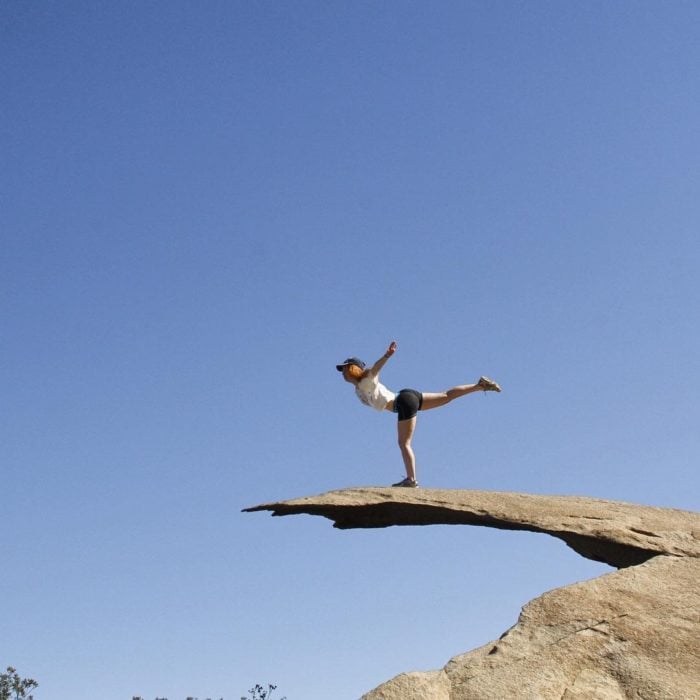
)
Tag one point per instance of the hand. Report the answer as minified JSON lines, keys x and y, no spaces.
{"x":392,"y":349}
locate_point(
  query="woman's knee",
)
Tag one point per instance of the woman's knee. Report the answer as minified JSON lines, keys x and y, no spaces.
{"x":405,"y":432}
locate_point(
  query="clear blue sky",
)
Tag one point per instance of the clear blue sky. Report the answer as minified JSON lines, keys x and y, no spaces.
{"x":205,"y":206}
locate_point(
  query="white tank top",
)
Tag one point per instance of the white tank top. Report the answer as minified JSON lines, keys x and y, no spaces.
{"x":373,"y":393}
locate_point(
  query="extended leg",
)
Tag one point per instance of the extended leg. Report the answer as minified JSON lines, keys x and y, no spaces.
{"x":444,"y":397}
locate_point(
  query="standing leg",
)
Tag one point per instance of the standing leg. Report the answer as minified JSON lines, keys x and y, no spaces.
{"x":406,"y":428}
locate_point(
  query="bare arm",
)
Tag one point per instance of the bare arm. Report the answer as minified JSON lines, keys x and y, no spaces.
{"x":377,"y":366}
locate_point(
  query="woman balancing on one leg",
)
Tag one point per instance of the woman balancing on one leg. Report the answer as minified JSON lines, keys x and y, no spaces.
{"x":406,"y":403}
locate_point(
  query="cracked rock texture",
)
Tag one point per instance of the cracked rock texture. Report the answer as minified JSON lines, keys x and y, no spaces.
{"x":630,"y":634}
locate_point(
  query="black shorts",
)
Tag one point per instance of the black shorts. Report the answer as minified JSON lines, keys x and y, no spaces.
{"x":407,"y":403}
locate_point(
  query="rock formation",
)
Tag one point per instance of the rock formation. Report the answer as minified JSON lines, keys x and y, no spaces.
{"x":633,"y":633}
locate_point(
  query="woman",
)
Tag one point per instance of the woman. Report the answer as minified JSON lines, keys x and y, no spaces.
{"x":406,"y":403}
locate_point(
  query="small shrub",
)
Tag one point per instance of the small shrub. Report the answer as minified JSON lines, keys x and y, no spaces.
{"x":12,"y":687}
{"x":259,"y":693}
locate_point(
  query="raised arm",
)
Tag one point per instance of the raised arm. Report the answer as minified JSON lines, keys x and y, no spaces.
{"x":377,"y":366}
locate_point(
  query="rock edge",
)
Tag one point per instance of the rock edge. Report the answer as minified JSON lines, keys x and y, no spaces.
{"x":612,"y":532}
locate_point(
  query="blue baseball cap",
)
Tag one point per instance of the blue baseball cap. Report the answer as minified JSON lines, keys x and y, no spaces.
{"x":351,"y":361}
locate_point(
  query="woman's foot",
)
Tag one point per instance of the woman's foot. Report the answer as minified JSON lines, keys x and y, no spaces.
{"x":410,"y":483}
{"x":488,"y":384}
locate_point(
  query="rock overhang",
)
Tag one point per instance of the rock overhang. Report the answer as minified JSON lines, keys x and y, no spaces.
{"x":613,"y":532}
{"x":628,"y":633}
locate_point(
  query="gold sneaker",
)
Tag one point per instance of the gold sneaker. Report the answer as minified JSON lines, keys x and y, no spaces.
{"x":488,"y":384}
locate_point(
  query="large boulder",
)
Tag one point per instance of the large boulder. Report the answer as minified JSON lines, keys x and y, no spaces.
{"x":633,"y":633}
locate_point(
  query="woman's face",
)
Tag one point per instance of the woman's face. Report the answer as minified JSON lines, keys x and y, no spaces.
{"x":347,"y":374}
